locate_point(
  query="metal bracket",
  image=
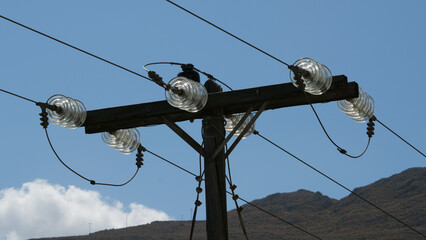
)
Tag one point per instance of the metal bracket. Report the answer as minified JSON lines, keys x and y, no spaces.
{"x":220,"y":147}
{"x":188,"y":139}
{"x":240,"y":136}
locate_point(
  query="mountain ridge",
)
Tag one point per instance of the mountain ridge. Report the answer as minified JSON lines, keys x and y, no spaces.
{"x":403,"y":195}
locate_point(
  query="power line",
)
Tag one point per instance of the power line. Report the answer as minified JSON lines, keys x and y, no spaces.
{"x":93,"y":182}
{"x":242,"y":199}
{"x":19,"y":96}
{"x":169,"y":162}
{"x":209,"y":76}
{"x":401,"y":138}
{"x":279,"y":218}
{"x":235,"y":197}
{"x":76,"y":48}
{"x":230,"y":34}
{"x":45,"y":123}
{"x":336,"y":182}
{"x":341,"y":150}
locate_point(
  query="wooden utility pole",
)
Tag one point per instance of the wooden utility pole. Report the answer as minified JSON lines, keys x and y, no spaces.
{"x":219,"y":104}
{"x":215,"y":186}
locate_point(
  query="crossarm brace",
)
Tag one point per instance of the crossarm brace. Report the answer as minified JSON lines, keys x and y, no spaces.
{"x":241,"y":135}
{"x":188,"y":139}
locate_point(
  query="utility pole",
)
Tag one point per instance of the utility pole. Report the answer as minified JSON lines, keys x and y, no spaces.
{"x":219,"y":104}
{"x":215,"y":186}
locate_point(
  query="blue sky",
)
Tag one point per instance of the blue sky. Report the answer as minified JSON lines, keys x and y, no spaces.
{"x":380,"y":45}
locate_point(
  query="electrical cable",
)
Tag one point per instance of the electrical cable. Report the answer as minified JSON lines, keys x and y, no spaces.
{"x":230,"y":34}
{"x":197,"y":201}
{"x":242,"y":199}
{"x":157,"y":63}
{"x":197,"y":204}
{"x":119,"y":185}
{"x":235,"y":197}
{"x":76,"y":48}
{"x":19,"y":96}
{"x":209,"y":76}
{"x":181,"y":168}
{"x":401,"y":138}
{"x":44,"y":123}
{"x":199,"y":158}
{"x":213,"y":78}
{"x":93,"y":182}
{"x":275,"y":216}
{"x":341,"y":150}
{"x":339,"y":184}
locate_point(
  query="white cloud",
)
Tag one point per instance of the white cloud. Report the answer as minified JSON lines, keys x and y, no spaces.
{"x":40,"y":209}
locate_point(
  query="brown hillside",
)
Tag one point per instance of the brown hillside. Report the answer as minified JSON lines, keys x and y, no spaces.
{"x":403,"y":195}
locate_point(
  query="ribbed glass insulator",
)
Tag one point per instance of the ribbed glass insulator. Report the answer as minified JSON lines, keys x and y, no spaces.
{"x":234,"y":119}
{"x":359,"y":109}
{"x":319,"y":79}
{"x":72,"y":112}
{"x":194,"y":96}
{"x":124,"y":140}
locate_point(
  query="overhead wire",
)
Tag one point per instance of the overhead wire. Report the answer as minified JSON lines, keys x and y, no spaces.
{"x":230,"y":34}
{"x":209,"y":76}
{"x":409,"y":144}
{"x":44,"y":119}
{"x":76,"y":48}
{"x":277,"y":217}
{"x":93,"y":182}
{"x":197,"y":200}
{"x":288,"y":65}
{"x":197,"y":204}
{"x":340,"y":149}
{"x":235,"y":197}
{"x":247,"y":43}
{"x":213,"y":78}
{"x":19,"y":96}
{"x":339,"y":184}
{"x":169,"y":162}
{"x":242,"y":199}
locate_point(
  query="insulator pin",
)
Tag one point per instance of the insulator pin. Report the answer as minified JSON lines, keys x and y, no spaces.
{"x":71,"y":113}
{"x":234,"y":119}
{"x":315,"y":77}
{"x":124,"y":140}
{"x":359,"y":109}
{"x":191,"y":96}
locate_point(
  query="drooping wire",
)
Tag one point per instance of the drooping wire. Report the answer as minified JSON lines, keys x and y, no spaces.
{"x":401,"y":138}
{"x":242,"y":199}
{"x":230,"y":34}
{"x":19,"y":96}
{"x":341,"y":150}
{"x":338,"y":183}
{"x":76,"y":48}
{"x":59,"y":158}
{"x":45,"y":123}
{"x":119,"y":185}
{"x":93,"y":182}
